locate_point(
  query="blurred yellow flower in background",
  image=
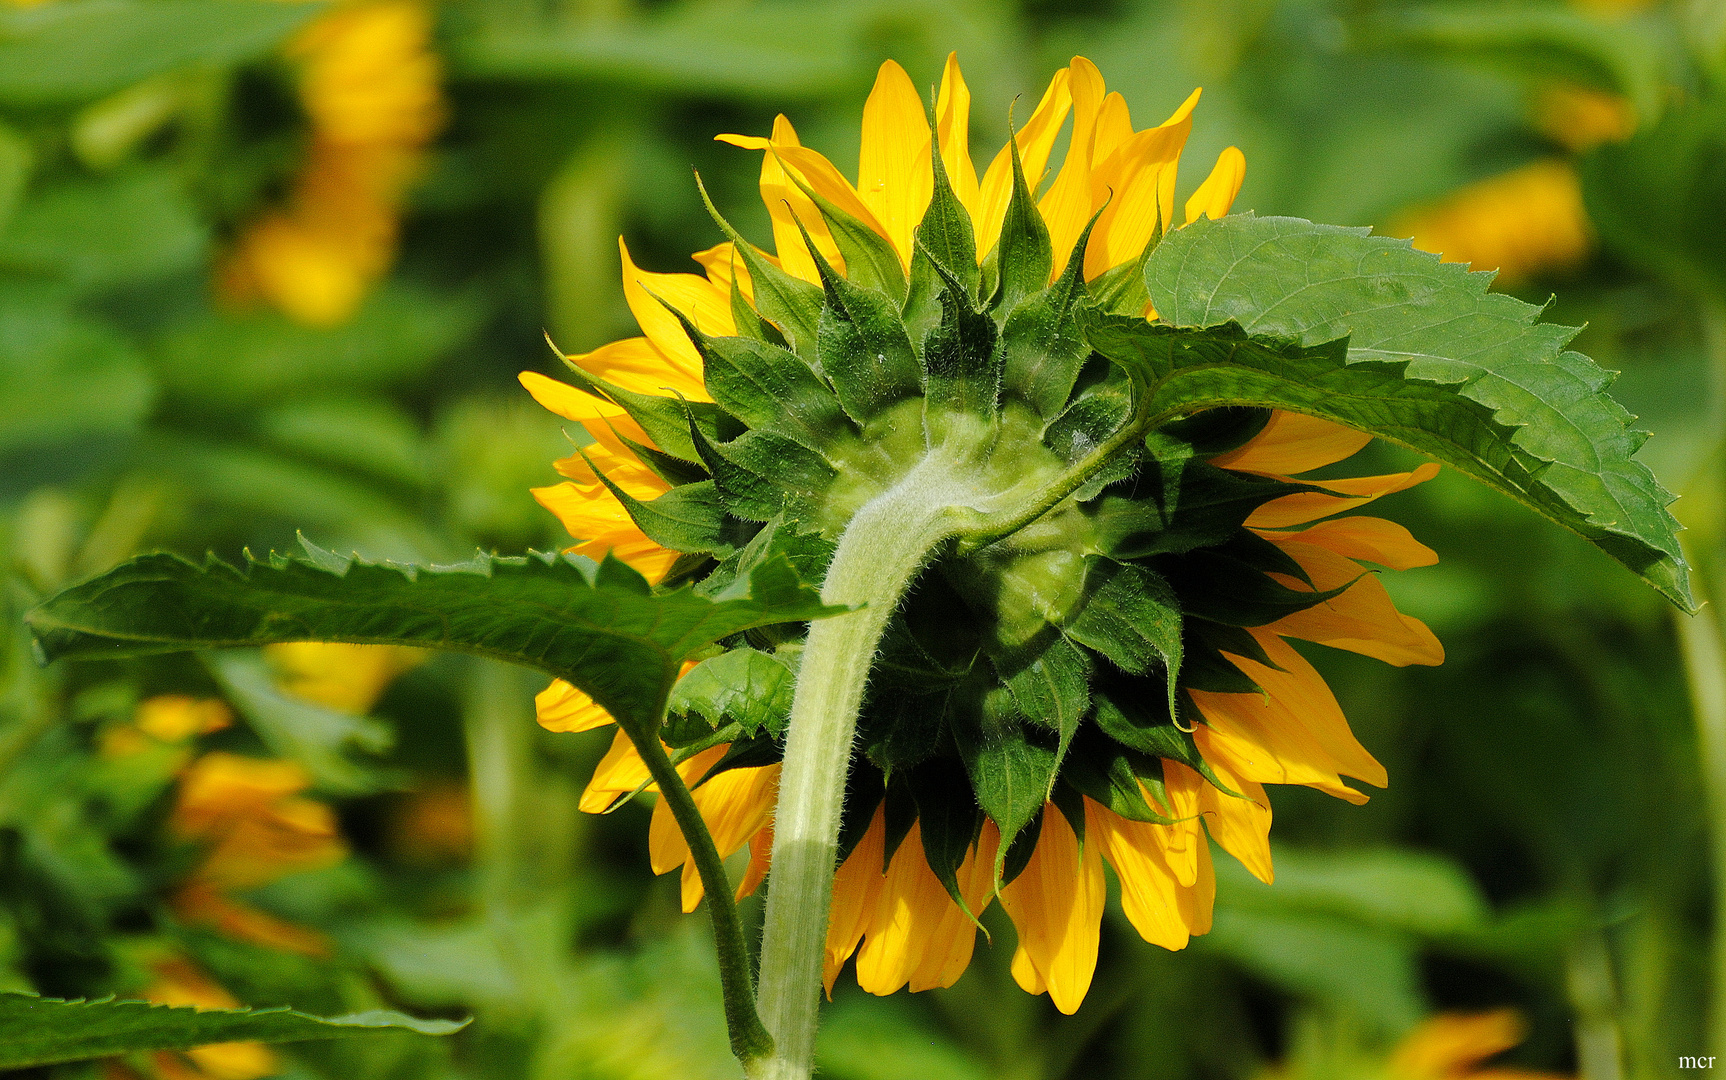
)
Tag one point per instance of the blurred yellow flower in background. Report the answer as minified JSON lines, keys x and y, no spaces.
{"x":247,"y":815}
{"x":340,"y":676}
{"x":178,"y":982}
{"x":166,"y":719}
{"x":1448,"y":1046}
{"x":1522,"y":223}
{"x":369,"y":84}
{"x":1581,"y":118}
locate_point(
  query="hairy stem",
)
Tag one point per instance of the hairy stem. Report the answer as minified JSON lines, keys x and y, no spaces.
{"x":749,"y":1040}
{"x":880,"y":553}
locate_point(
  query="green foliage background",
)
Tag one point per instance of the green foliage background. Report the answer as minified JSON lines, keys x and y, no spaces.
{"x":1545,"y":842}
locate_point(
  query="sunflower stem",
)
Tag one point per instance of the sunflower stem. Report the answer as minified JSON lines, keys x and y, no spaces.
{"x":881,"y":551}
{"x":749,"y":1039}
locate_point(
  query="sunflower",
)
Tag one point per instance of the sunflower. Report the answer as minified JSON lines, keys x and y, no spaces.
{"x":1448,"y":1046}
{"x":1153,"y":736}
{"x":368,"y":82}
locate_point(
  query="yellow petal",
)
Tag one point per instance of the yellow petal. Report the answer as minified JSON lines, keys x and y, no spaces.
{"x":855,"y":886}
{"x":1305,"y":506}
{"x":1362,"y":619}
{"x":561,"y":707}
{"x":1292,"y":443}
{"x":1213,"y":198}
{"x":1150,"y":892}
{"x":916,"y":933}
{"x":699,"y":299}
{"x":1035,"y":140}
{"x":1182,"y":840}
{"x":1130,"y":182}
{"x":894,"y":178}
{"x":1114,"y":127}
{"x":596,"y":414}
{"x":723,"y":265}
{"x":953,"y":125}
{"x":1056,"y":905}
{"x":1067,"y":206}
{"x":1369,"y":538}
{"x":1241,"y":825}
{"x":787,"y":204}
{"x":760,"y":861}
{"x":635,"y":364}
{"x":1293,"y":733}
{"x":619,"y":772}
{"x":1449,"y":1045}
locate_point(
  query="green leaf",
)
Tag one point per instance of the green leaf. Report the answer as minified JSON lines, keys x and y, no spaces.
{"x":945,"y":233}
{"x":66,"y":375}
{"x":770,"y":389}
{"x":1024,"y":255}
{"x":870,"y":260}
{"x":78,"y":50}
{"x":1131,"y":617}
{"x":1011,"y":771}
{"x":600,"y":627}
{"x":1432,"y":361}
{"x":134,"y":226}
{"x":1205,"y":508}
{"x":742,"y":686}
{"x":863,"y":346}
{"x":1043,"y":339}
{"x":43,"y":1031}
{"x":666,"y":420}
{"x":761,"y":476}
{"x":688,"y":518}
{"x":1121,"y":715}
{"x":948,"y":820}
{"x":962,"y":367}
{"x":1053,"y":689}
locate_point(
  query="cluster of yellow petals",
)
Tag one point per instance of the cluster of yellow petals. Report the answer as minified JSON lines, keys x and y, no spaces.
{"x":369,"y":84}
{"x":166,"y":721}
{"x":1451,"y":1046}
{"x":895,"y":915}
{"x":248,"y":816}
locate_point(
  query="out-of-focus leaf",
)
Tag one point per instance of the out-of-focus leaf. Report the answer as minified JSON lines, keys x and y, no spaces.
{"x":1385,"y":888}
{"x":15,"y":161}
{"x":76,"y":50}
{"x":64,"y":374}
{"x":756,"y":53}
{"x":882,"y":1039}
{"x":1370,"y":973}
{"x":600,"y":626}
{"x":42,"y":1031}
{"x":370,"y":436}
{"x":1542,"y":40}
{"x":134,"y":226}
{"x":1657,"y":198}
{"x":317,"y":737}
{"x":398,"y":333}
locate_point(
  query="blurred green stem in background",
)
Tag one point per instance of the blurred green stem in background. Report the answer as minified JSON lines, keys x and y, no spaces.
{"x":580,"y":215}
{"x":1704,"y":648}
{"x":1594,"y":996}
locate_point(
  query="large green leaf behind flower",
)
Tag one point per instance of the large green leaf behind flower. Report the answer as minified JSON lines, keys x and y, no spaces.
{"x":599,"y":626}
{"x":1433,"y":361}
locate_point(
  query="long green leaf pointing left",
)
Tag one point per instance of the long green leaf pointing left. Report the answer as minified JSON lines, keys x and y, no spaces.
{"x":44,"y":1031}
{"x":599,"y":626}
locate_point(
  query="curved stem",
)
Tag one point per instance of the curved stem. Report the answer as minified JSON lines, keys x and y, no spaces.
{"x":749,"y":1039}
{"x":881,"y":551}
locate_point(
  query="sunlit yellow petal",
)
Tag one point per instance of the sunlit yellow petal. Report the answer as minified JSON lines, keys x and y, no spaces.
{"x":1129,"y":188}
{"x":635,"y":364}
{"x":894,"y":176}
{"x":1241,"y":825}
{"x":1035,"y":141}
{"x":619,"y":772}
{"x":595,"y":414}
{"x":953,"y":126}
{"x":1362,"y":619}
{"x":700,"y":300}
{"x":1150,"y":893}
{"x":1213,"y":198}
{"x":1067,"y":205}
{"x":787,"y":204}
